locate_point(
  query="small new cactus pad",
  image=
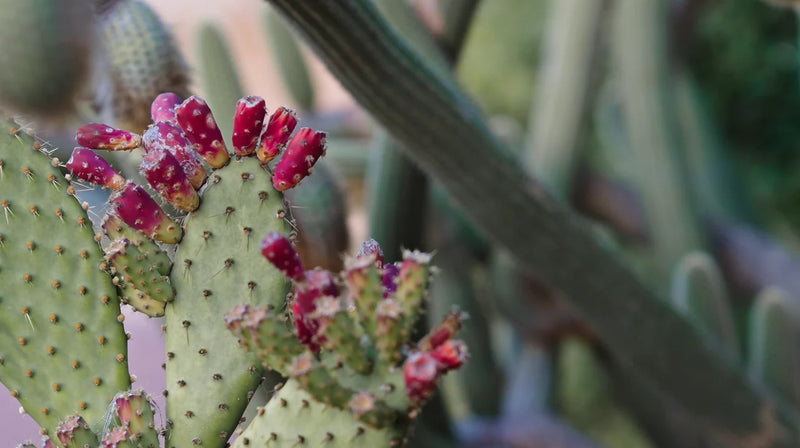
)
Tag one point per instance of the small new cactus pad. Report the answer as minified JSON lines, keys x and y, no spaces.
{"x":163,"y":107}
{"x":63,"y":349}
{"x":345,"y":358}
{"x":143,"y":61}
{"x":198,"y":123}
{"x":303,"y":151}
{"x":103,"y":136}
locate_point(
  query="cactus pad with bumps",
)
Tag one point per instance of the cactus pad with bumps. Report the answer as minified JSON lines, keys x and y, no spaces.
{"x":218,"y":264}
{"x":64,"y":350}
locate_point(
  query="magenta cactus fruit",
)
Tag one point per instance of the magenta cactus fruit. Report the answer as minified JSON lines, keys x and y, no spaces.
{"x":166,"y":176}
{"x":451,"y":354}
{"x":89,"y":166}
{"x":318,"y":283}
{"x":390,"y":272}
{"x":280,"y":127}
{"x":137,"y":209}
{"x":303,"y":151}
{"x":169,"y":136}
{"x":103,"y":136}
{"x":248,"y":123}
{"x":198,"y":123}
{"x":421,"y":373}
{"x":163,"y":107}
{"x":281,"y":253}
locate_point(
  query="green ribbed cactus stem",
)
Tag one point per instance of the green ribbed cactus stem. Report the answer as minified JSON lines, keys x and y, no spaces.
{"x":289,"y":59}
{"x":64,"y":351}
{"x":218,"y":76}
{"x":772,"y":344}
{"x":570,"y":55}
{"x":143,"y":61}
{"x":698,"y":292}
{"x":660,"y":172}
{"x":319,"y":207}
{"x":47,"y":49}
{"x":585,"y":398}
{"x":478,"y":390}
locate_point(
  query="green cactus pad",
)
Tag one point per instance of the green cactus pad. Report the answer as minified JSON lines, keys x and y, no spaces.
{"x":321,"y":426}
{"x":218,"y":265}
{"x":64,"y":351}
{"x":142,"y":272}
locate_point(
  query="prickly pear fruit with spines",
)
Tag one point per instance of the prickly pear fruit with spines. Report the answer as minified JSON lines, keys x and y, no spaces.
{"x":103,"y":136}
{"x":248,"y":124}
{"x":170,"y":137}
{"x":74,"y":432}
{"x":163,"y":107}
{"x":143,"y":61}
{"x":87,"y":165}
{"x":279,"y":128}
{"x":64,"y":351}
{"x":297,"y":162}
{"x":165,"y":174}
{"x":198,"y":123}
{"x":137,"y":209}
{"x":279,"y":251}
{"x":346,"y":372}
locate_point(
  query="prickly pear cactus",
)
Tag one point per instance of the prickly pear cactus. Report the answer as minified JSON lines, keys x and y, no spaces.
{"x":63,"y":350}
{"x":355,"y":379}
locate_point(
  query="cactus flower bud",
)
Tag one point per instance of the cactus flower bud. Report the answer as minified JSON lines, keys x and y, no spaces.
{"x":279,"y":251}
{"x":280,"y":128}
{"x":166,"y":176}
{"x":198,"y":123}
{"x":103,"y":136}
{"x":421,"y":372}
{"x":137,"y":209}
{"x":248,"y":122}
{"x":371,"y":247}
{"x":169,"y":136}
{"x":92,"y":168}
{"x":303,"y":151}
{"x":163,"y":107}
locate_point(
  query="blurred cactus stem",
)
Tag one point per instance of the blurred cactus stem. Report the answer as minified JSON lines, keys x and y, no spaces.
{"x":452,"y":142}
{"x":640,"y":50}
{"x":289,"y":60}
{"x":774,"y":331}
{"x":570,"y":58}
{"x":47,"y":48}
{"x":699,"y":293}
{"x":219,"y":79}
{"x":143,"y":59}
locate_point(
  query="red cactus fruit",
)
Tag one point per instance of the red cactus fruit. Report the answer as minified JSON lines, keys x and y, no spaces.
{"x":163,"y":107}
{"x":303,"y":151}
{"x":248,"y":122}
{"x":169,"y":136}
{"x":138,"y":210}
{"x":103,"y":136}
{"x":390,"y":272}
{"x":198,"y":123}
{"x":451,"y":354}
{"x":371,"y":247}
{"x":166,"y":176}
{"x":421,"y":372}
{"x":280,"y":128}
{"x":281,"y":253}
{"x":87,"y":165}
{"x":318,"y":283}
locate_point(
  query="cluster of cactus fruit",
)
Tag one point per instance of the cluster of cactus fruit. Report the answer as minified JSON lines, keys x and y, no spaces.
{"x":353,"y":376}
